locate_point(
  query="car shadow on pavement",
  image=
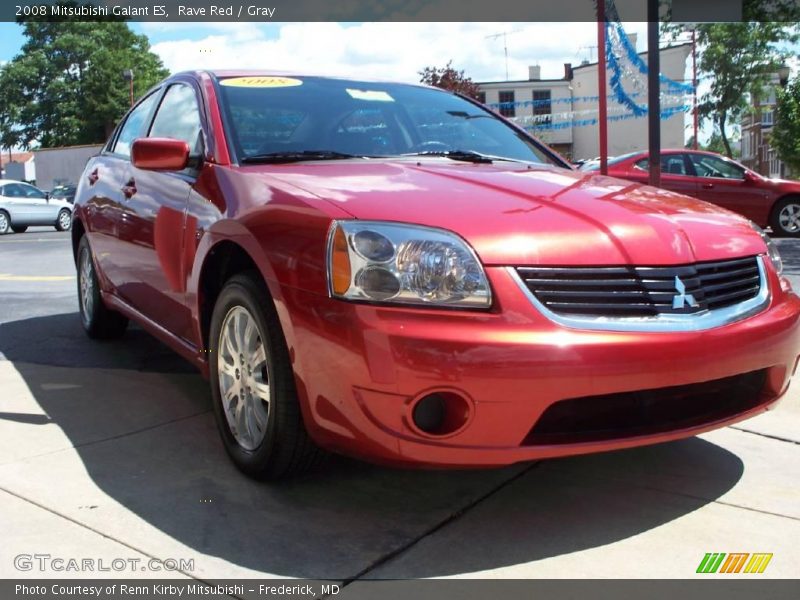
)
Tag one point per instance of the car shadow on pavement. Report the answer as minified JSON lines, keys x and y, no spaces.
{"x":140,"y":422}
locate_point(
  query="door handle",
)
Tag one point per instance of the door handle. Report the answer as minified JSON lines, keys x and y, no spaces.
{"x":708,"y":186}
{"x":94,"y":176}
{"x":129,"y":189}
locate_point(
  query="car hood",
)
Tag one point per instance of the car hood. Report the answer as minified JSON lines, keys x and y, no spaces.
{"x":518,"y":214}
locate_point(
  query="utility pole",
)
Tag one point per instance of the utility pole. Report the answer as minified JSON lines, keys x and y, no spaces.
{"x":694,"y":86}
{"x":602,"y":117}
{"x":653,"y":93}
{"x":127,"y":75}
{"x":503,"y":34}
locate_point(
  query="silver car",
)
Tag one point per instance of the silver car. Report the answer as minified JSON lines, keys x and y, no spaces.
{"x":22,"y":205}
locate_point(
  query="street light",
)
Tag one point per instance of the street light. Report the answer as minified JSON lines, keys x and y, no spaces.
{"x":127,"y":75}
{"x":783,"y":74}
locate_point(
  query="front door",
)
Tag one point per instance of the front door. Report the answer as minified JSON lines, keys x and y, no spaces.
{"x":153,"y":222}
{"x":723,"y":183}
{"x":105,"y":207}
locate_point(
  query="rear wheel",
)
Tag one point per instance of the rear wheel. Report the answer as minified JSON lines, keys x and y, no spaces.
{"x":785,"y":219}
{"x":97,"y":319}
{"x":64,"y":221}
{"x":5,"y":222}
{"x":19,"y":228}
{"x":252,"y":384}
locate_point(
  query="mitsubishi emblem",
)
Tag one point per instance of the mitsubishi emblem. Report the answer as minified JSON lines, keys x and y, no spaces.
{"x":681,"y":299}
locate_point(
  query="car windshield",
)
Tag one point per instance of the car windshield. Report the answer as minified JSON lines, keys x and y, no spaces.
{"x":280,"y":119}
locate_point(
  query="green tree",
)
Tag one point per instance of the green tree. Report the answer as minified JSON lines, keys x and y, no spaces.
{"x":738,"y":59}
{"x":785,"y":136}
{"x":714,"y":144}
{"x":66,"y":85}
{"x":448,"y":78}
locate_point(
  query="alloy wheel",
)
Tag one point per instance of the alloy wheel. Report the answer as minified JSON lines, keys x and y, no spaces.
{"x":65,"y":220}
{"x":243,"y":378}
{"x":789,"y":218}
{"x":86,"y":286}
{"x":3,"y":222}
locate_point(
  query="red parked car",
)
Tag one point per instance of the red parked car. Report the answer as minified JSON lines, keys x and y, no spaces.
{"x":721,"y":181}
{"x":394,"y":272}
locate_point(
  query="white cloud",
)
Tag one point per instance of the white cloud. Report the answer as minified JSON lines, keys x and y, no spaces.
{"x":395,"y":51}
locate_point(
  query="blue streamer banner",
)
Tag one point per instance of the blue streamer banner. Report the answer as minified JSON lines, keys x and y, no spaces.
{"x":666,"y":113}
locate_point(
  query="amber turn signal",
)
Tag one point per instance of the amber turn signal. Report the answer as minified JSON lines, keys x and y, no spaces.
{"x":340,"y":263}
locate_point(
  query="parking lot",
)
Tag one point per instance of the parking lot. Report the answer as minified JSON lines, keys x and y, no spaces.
{"x":109,"y":451}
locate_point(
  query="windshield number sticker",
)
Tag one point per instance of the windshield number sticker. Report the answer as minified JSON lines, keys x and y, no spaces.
{"x":261,"y":82}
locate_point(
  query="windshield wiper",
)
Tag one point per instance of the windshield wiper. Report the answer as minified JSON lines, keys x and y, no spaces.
{"x":465,"y":155}
{"x":297,"y":156}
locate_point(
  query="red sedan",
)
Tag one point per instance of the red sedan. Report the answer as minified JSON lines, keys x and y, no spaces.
{"x":721,"y":181}
{"x":393,"y":272}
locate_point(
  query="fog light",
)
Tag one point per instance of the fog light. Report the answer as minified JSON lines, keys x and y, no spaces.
{"x":440,"y":413}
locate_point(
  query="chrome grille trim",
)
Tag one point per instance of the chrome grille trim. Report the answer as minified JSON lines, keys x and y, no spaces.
{"x":702,"y":319}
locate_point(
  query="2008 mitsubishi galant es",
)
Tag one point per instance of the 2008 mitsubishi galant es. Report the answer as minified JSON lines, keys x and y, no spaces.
{"x":394,"y":272}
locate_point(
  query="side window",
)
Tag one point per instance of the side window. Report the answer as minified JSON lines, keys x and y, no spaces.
{"x":178,"y":117}
{"x":31,"y":192}
{"x":711,"y":166}
{"x":671,"y":164}
{"x":134,"y":126}
{"x":14,"y":190}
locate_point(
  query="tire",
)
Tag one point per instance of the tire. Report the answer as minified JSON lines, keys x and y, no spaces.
{"x":785,"y":218}
{"x":19,"y":228}
{"x":64,"y":220}
{"x":5,"y":222}
{"x":266,"y":437}
{"x":99,"y":321}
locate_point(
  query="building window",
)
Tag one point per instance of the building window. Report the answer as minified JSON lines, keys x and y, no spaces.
{"x":542,"y":104}
{"x":767,"y":118}
{"x":507,"y":108}
{"x":481,"y":97}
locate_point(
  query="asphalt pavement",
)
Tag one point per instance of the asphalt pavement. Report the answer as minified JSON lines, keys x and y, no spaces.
{"x":109,"y":450}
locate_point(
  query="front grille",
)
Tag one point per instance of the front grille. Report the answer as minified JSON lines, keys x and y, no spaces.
{"x":630,"y":291}
{"x":645,"y":412}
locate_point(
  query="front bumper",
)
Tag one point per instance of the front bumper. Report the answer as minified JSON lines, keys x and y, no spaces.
{"x":361,"y":368}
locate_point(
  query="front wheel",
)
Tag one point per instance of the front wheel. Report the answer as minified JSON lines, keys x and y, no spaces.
{"x":785,"y":219}
{"x":99,"y":321}
{"x":5,"y":222}
{"x":252,"y":384}
{"x":64,"y":221}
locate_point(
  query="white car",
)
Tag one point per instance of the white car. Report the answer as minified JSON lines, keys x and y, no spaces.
{"x":23,"y":205}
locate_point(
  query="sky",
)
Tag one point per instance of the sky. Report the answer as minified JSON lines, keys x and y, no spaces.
{"x":387,"y":50}
{"x":395,"y":51}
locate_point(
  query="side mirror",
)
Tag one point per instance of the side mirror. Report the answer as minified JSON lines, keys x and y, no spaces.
{"x":750,"y":177}
{"x":160,"y":154}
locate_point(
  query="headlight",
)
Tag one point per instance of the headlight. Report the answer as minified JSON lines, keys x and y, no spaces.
{"x":406,"y":264}
{"x":772,"y":249}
